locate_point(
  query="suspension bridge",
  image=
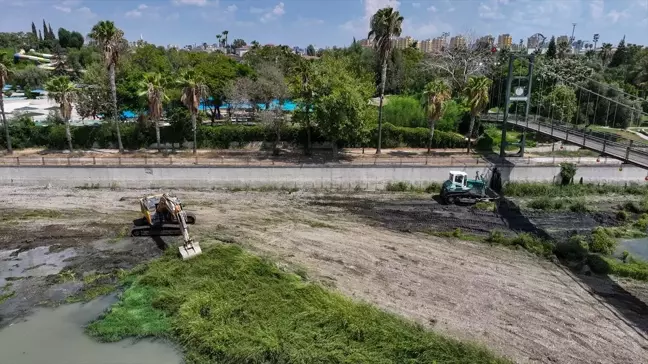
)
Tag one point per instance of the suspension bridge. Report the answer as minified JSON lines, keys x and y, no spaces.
{"x":528,"y":100}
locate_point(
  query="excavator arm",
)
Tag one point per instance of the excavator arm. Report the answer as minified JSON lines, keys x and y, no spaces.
{"x":190,"y":248}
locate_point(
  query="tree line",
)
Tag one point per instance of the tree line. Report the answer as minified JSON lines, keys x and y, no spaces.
{"x":447,"y":90}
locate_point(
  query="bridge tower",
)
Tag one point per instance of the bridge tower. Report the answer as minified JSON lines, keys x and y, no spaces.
{"x":521,"y":93}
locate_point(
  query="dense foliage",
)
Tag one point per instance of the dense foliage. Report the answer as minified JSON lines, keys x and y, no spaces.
{"x":331,"y":93}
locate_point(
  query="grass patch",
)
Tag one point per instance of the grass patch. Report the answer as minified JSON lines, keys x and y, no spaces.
{"x":486,"y":206}
{"x":546,"y":203}
{"x":457,"y":234}
{"x":622,"y":133}
{"x":263,"y":188}
{"x":89,"y":186}
{"x":6,"y":296}
{"x":631,"y":268}
{"x":547,"y":190}
{"x":531,"y":243}
{"x":30,"y":215}
{"x":409,"y":187}
{"x":228,"y":306}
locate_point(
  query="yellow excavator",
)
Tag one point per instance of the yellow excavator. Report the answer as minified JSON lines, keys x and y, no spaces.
{"x":164,"y":215}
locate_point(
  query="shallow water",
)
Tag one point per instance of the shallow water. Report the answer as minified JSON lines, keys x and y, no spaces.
{"x":636,"y":247}
{"x":37,"y":262}
{"x":55,"y":336}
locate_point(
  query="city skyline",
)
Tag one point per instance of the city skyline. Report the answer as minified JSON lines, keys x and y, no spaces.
{"x":301,"y":23}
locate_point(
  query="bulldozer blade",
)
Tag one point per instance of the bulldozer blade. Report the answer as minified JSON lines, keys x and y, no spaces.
{"x":189,"y":251}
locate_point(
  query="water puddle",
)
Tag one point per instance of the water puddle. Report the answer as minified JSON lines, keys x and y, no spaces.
{"x":56,"y":336}
{"x":636,"y":247}
{"x":37,"y":262}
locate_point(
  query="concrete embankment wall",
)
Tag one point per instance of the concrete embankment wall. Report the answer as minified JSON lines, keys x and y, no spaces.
{"x":366,"y":177}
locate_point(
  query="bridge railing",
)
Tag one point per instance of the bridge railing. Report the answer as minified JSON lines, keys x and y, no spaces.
{"x":626,"y":150}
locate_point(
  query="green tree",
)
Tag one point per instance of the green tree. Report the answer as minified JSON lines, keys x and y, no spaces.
{"x":606,"y":53}
{"x":194,"y":90}
{"x":551,"y":49}
{"x":340,"y":104}
{"x":563,"y":49}
{"x":220,"y":41}
{"x":225,"y":33}
{"x":561,"y":103}
{"x":30,"y":77}
{"x":476,"y":92}
{"x":219,"y":71}
{"x":4,"y":76}
{"x":111,"y":41}
{"x":255,"y":44}
{"x":385,"y":25}
{"x":436,"y":94}
{"x":64,"y":37}
{"x":33,"y":29}
{"x":310,"y":50}
{"x":238,"y":43}
{"x":63,"y":91}
{"x":620,"y":56}
{"x":153,"y":88}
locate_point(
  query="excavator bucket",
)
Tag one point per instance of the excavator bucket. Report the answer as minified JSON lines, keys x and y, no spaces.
{"x":190,"y":250}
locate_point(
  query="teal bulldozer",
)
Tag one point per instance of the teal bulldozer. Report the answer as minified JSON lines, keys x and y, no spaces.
{"x":459,"y":188}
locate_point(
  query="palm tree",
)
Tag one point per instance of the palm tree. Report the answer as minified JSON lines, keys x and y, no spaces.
{"x":255,"y":44}
{"x":63,"y":91}
{"x":220,"y":42}
{"x":225,"y":33}
{"x":385,"y":25}
{"x":153,"y":88}
{"x":306,"y":94}
{"x":193,"y":90}
{"x":4,"y":75}
{"x":606,"y":53}
{"x":436,"y":94}
{"x":477,"y":93}
{"x":110,"y":39}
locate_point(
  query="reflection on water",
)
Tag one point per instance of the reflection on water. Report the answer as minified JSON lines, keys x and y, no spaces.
{"x":636,"y":247}
{"x":55,"y":336}
{"x":37,"y":262}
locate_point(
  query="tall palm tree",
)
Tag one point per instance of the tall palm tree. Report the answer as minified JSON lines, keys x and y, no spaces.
{"x":225,"y":33}
{"x":606,"y":53}
{"x":110,"y":40}
{"x":63,"y":91}
{"x":4,"y":75}
{"x":436,"y":94}
{"x":193,"y":90}
{"x":153,"y":87}
{"x":305,"y":94}
{"x":476,"y":91}
{"x":385,"y":25}
{"x":255,"y":44}
{"x":220,"y":42}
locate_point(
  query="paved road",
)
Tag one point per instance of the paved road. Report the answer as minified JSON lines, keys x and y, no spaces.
{"x":624,"y":151}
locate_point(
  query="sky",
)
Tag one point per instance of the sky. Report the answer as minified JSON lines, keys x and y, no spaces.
{"x":332,"y":22}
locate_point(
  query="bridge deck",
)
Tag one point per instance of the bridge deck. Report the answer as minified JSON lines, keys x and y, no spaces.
{"x":625,"y":151}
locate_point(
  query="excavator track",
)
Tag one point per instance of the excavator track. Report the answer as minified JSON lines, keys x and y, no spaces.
{"x":166,"y":230}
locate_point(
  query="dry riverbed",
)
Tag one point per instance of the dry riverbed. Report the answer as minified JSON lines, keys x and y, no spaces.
{"x":58,"y":245}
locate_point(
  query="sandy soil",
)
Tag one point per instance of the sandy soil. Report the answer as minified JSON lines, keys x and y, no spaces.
{"x":374,"y":247}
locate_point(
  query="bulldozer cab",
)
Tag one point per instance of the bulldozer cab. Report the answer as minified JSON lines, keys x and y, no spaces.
{"x":459,"y":180}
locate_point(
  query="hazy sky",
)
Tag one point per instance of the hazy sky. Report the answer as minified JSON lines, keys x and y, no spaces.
{"x":332,"y":22}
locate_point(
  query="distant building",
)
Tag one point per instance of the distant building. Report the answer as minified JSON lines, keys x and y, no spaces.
{"x":504,"y":41}
{"x":426,"y":46}
{"x":402,"y":43}
{"x":241,"y":51}
{"x":561,"y":39}
{"x":533,"y":41}
{"x":366,"y":42}
{"x":438,"y":44}
{"x":487,"y":40}
{"x":457,"y":42}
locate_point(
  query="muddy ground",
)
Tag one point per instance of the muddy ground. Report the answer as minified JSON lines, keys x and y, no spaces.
{"x":377,"y":248}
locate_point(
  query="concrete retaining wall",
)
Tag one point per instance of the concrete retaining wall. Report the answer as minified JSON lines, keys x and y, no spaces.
{"x":367,"y":177}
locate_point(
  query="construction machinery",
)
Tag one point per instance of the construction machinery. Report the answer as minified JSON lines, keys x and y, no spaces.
{"x":458,"y":188}
{"x":164,"y":215}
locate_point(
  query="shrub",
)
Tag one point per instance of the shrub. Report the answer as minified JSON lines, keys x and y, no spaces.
{"x":633,"y":268}
{"x":602,"y":242}
{"x":622,"y":215}
{"x":533,"y":244}
{"x":404,"y":111}
{"x":642,"y":222}
{"x":394,"y":136}
{"x":546,"y":203}
{"x":497,"y":237}
{"x":433,"y":188}
{"x":397,"y":186}
{"x":578,"y":206}
{"x":567,"y":173}
{"x":574,"y":249}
